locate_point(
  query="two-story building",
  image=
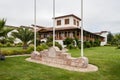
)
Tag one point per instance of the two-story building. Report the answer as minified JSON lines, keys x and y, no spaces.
{"x":67,"y":26}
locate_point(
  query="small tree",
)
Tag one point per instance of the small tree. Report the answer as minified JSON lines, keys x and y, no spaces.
{"x":25,"y":35}
{"x":110,"y":38}
{"x":117,"y":39}
{"x":68,"y":41}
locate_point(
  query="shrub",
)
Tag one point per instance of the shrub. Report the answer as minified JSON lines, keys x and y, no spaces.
{"x":1,"y":44}
{"x":44,"y":46}
{"x":40,"y":48}
{"x":71,"y":46}
{"x":50,"y":44}
{"x":118,"y":47}
{"x":87,"y":44}
{"x":19,"y":44}
{"x":58,"y":45}
{"x":30,"y":49}
{"x":68,"y":41}
{"x":9,"y":44}
{"x":92,"y":43}
{"x":96,"y":43}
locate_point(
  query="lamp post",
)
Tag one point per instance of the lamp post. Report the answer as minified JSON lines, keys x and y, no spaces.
{"x":53,"y":23}
{"x":82,"y":53}
{"x":34,"y":25}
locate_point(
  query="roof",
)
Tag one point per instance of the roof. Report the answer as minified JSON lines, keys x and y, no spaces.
{"x":49,"y":29}
{"x":58,"y":29}
{"x":99,"y":33}
{"x":38,"y":26}
{"x":68,"y":16}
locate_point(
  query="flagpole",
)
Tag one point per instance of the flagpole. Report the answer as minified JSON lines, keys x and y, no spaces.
{"x":53,"y":23}
{"x":34,"y":25}
{"x":82,"y":44}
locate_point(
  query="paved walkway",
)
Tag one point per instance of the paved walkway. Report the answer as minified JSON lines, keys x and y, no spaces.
{"x":90,"y":68}
{"x":18,"y":55}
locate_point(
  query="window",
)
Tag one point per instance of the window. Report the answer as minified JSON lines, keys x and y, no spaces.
{"x":66,"y":21}
{"x":74,"y":22}
{"x":58,"y":22}
{"x":77,"y":23}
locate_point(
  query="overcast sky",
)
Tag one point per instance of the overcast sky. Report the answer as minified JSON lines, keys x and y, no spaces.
{"x":99,"y":15}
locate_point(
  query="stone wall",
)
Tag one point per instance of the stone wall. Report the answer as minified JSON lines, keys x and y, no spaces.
{"x":55,"y":56}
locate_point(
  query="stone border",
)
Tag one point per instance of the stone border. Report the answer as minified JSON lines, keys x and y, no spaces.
{"x":90,"y":68}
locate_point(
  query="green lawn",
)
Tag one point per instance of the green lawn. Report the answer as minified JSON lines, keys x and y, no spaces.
{"x":106,"y":58}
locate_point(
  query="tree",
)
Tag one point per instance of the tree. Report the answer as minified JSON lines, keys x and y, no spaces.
{"x":68,"y":41}
{"x":110,"y":38}
{"x":117,"y":38}
{"x":25,"y":35}
{"x":2,"y":24}
{"x":4,"y":31}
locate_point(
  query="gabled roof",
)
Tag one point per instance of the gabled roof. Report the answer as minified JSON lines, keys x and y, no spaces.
{"x":67,"y":16}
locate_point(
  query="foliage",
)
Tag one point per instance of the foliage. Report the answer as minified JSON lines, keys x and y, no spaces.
{"x":50,"y":39}
{"x":44,"y":46}
{"x":96,"y":43}
{"x":118,"y":47}
{"x":40,"y":48}
{"x":2,"y":24}
{"x":25,"y":35}
{"x":68,"y":41}
{"x":117,"y":39}
{"x":110,"y":38}
{"x":71,"y":46}
{"x":4,"y":31}
{"x":87,"y":44}
{"x":58,"y":45}
{"x":18,"y":44}
{"x":30,"y":49}
{"x":50,"y":44}
{"x":15,"y":50}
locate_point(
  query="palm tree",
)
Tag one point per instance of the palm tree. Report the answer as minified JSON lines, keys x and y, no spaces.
{"x":4,"y":31}
{"x":2,"y":24}
{"x":25,"y":35}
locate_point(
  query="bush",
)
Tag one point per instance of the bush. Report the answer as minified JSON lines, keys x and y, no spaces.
{"x":68,"y":41}
{"x":50,"y":44}
{"x":87,"y":44}
{"x":92,"y":43}
{"x":9,"y":44}
{"x":58,"y":45}
{"x":40,"y":48}
{"x":1,"y":44}
{"x":71,"y":46}
{"x":30,"y":49}
{"x":118,"y":47}
{"x":19,"y":45}
{"x":96,"y":43}
{"x":44,"y":46}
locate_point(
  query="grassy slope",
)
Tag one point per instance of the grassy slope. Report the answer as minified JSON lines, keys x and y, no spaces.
{"x":106,"y":58}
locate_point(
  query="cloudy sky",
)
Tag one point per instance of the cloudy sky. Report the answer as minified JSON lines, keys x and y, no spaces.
{"x":99,"y":15}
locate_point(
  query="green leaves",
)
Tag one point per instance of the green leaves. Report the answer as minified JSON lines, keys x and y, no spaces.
{"x":24,"y":34}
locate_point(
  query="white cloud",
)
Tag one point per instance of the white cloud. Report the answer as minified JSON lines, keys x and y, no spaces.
{"x":98,"y":14}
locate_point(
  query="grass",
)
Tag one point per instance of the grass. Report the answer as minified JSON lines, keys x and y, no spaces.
{"x":106,"y":58}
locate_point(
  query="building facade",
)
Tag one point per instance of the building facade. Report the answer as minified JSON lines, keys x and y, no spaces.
{"x":67,"y":26}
